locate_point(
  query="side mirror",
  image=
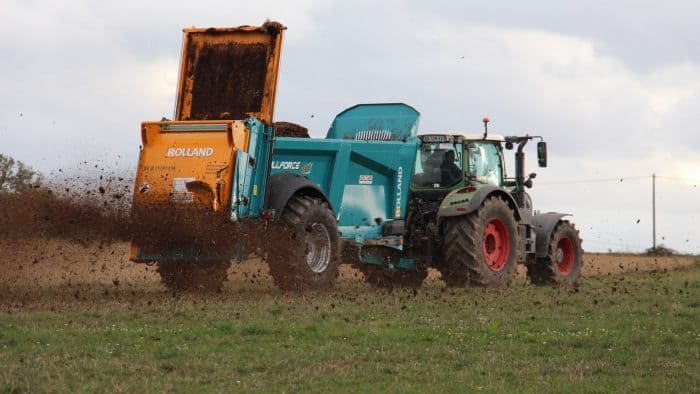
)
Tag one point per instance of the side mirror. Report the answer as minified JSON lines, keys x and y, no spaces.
{"x":542,"y":153}
{"x":509,"y":145}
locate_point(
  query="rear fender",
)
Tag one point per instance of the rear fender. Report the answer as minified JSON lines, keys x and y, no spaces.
{"x":458,"y":203}
{"x":544,"y":224}
{"x":284,"y":185}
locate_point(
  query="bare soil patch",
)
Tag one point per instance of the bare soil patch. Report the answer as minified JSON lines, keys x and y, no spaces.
{"x":51,"y":262}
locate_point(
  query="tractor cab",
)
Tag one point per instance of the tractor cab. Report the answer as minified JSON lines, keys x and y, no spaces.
{"x":446,"y":162}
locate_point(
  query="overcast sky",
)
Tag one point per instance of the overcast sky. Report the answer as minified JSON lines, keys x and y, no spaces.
{"x":614,"y":86}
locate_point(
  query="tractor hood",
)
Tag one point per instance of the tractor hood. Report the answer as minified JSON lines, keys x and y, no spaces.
{"x":229,"y":73}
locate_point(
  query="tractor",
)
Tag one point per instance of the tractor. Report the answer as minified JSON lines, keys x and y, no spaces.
{"x":474,"y":224}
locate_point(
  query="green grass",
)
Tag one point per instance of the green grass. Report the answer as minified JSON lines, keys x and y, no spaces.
{"x":626,"y":333}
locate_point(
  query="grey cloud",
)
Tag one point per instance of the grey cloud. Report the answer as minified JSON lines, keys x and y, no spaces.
{"x":644,"y":34}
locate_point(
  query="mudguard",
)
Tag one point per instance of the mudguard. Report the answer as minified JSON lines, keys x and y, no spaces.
{"x":544,"y":224}
{"x":460,"y":203}
{"x":284,"y":185}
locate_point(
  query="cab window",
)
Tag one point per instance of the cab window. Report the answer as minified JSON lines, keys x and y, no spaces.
{"x":438,"y":165}
{"x":484,"y":162}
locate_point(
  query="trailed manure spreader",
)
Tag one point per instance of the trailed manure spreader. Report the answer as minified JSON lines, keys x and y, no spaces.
{"x":221,"y":183}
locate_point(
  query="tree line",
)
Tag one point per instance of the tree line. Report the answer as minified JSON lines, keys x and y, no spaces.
{"x":15,"y":176}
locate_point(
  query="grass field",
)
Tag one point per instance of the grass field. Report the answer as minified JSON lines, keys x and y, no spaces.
{"x":633,"y":332}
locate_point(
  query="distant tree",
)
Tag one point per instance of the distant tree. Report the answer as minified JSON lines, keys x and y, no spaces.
{"x":16,"y":176}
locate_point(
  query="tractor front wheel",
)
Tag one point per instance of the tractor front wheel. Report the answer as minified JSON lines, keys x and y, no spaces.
{"x":564,"y":261}
{"x":306,"y":255}
{"x":480,"y":248}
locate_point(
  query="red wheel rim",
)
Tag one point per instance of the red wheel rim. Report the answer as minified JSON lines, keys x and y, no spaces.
{"x":565,"y":256}
{"x":496,"y":245}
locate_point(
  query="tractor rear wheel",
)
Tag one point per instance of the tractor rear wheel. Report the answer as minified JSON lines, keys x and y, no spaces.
{"x":480,"y":248}
{"x":308,"y":256}
{"x":186,"y":276}
{"x":564,"y":260}
{"x":386,"y":278}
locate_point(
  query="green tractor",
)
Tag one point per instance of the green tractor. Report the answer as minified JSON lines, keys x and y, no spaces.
{"x":474,"y":224}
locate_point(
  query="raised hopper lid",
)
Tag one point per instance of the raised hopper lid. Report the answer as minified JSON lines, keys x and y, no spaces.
{"x":228,"y":73}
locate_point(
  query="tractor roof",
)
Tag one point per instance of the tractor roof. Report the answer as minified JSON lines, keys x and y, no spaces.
{"x":467,"y":136}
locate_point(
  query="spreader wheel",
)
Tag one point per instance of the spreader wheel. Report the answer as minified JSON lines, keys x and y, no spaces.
{"x":306,"y":253}
{"x":564,"y":260}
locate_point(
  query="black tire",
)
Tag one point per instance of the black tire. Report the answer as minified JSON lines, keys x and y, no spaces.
{"x":308,"y":254}
{"x":480,"y":248}
{"x":386,"y":278}
{"x":186,"y":276}
{"x":564,"y":261}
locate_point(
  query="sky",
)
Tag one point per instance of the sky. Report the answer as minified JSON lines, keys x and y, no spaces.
{"x":613,"y":86}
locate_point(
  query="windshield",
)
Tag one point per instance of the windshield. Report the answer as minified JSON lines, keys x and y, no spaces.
{"x":437,"y":165}
{"x":485,"y":165}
